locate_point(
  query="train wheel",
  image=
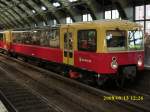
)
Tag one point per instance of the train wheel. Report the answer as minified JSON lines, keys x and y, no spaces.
{"x":100,"y":83}
{"x":100,"y":80}
{"x":25,"y":59}
{"x":65,"y":71}
{"x":14,"y":55}
{"x":126,"y":73}
{"x":120,"y":81}
{"x":2,"y":51}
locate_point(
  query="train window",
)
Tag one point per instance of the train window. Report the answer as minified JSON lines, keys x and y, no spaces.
{"x":68,"y":41}
{"x":135,"y":39}
{"x":87,"y":40}
{"x":46,"y":37}
{"x":13,"y":38}
{"x":27,"y":37}
{"x":116,"y":40}
{"x":17,"y":38}
{"x":43,"y":37}
{"x":40,"y":37}
{"x":35,"y":37}
{"x":54,"y":39}
{"x":1,"y":36}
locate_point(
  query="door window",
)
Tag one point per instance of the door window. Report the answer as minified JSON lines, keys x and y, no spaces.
{"x":68,"y":44}
{"x":68,"y":41}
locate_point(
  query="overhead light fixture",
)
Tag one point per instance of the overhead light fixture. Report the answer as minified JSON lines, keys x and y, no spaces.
{"x":35,"y":25}
{"x":33,"y":11}
{"x":44,"y":23}
{"x":43,"y":8}
{"x":73,"y":0}
{"x":56,"y":4}
{"x":54,"y":22}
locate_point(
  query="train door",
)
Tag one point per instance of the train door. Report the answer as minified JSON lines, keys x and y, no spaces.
{"x":7,"y":40}
{"x":68,"y":50}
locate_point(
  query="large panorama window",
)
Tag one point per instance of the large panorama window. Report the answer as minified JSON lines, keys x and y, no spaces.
{"x":135,"y":40}
{"x":45,"y":38}
{"x":87,"y":40}
{"x":116,"y":40}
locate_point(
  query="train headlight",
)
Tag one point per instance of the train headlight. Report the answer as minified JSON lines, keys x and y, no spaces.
{"x":114,"y":64}
{"x":140,"y":62}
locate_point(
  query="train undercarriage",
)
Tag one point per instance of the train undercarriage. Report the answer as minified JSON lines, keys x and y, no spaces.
{"x":125,"y":74}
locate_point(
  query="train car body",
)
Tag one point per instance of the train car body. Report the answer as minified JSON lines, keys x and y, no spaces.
{"x":102,"y":47}
{"x":5,"y":40}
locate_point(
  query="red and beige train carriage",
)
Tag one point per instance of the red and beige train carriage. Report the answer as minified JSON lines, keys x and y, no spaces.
{"x":5,"y":40}
{"x":103,"y":48}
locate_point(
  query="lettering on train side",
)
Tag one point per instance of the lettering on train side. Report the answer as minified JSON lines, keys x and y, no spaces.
{"x":85,"y":60}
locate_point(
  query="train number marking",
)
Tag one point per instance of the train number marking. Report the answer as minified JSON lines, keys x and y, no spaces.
{"x":85,"y":60}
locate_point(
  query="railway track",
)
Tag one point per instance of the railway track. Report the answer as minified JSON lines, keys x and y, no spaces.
{"x":54,"y":97}
{"x":88,"y":98}
{"x":18,"y":99}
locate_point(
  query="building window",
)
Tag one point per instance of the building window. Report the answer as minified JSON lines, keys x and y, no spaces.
{"x":69,"y":20}
{"x":147,"y":28}
{"x":107,"y":14}
{"x":141,"y":23}
{"x":87,"y":17}
{"x":147,"y":11}
{"x":112,"y":14}
{"x":87,"y":40}
{"x":115,"y":14}
{"x":142,"y":16}
{"x":56,"y":4}
{"x":139,"y":15}
{"x":73,"y":0}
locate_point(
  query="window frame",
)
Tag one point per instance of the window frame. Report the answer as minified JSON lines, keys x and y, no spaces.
{"x":144,"y":19}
